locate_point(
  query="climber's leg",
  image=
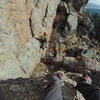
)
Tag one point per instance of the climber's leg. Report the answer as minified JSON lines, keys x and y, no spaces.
{"x":42,"y":44}
{"x":54,"y":89}
{"x":55,"y":54}
{"x":89,"y":91}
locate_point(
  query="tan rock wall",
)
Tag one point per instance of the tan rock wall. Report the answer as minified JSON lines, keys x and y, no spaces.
{"x":19,"y":50}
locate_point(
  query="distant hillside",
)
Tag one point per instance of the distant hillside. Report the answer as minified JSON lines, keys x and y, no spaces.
{"x":92,"y":8}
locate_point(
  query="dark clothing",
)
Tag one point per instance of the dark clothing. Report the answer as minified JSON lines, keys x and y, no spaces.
{"x":90,"y":92}
{"x":55,"y":54}
{"x":54,"y":90}
{"x":42,"y":44}
{"x":43,"y":40}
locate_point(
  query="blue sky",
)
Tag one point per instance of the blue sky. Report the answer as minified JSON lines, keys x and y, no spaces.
{"x":95,"y":1}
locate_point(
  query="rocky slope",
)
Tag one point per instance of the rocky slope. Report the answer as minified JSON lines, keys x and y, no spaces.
{"x":22,"y":22}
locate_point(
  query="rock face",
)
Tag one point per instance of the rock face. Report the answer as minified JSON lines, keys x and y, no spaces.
{"x":20,"y":89}
{"x":20,"y":21}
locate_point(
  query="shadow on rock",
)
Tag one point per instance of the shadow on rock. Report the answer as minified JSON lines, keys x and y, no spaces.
{"x":21,"y":89}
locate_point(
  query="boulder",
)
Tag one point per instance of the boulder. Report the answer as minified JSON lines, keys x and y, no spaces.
{"x":43,"y":15}
{"x":85,"y":25}
{"x":81,"y":64}
{"x":33,"y":89}
{"x":89,"y":53}
{"x":79,"y":6}
{"x":71,"y":25}
{"x":21,"y":89}
{"x":92,"y":64}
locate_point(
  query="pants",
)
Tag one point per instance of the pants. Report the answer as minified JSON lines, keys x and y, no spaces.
{"x":55,"y":54}
{"x":53,"y":90}
{"x":90,"y":92}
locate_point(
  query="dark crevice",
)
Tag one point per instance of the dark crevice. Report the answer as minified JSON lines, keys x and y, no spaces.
{"x":30,"y":23}
{"x":58,"y":25}
{"x":45,"y":15}
{"x":60,"y":19}
{"x":37,"y":3}
{"x":26,"y":2}
{"x":30,"y":20}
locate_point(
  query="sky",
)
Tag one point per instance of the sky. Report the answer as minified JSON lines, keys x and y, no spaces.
{"x":95,"y":1}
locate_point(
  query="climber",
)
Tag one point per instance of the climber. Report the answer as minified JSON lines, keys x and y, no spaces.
{"x":55,"y":52}
{"x":44,"y":40}
{"x":53,"y":90}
